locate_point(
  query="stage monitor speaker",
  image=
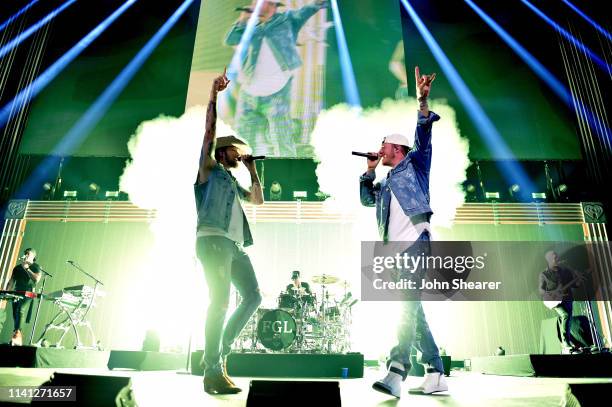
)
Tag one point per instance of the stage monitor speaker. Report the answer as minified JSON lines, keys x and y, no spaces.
{"x":586,"y":394}
{"x":280,"y":392}
{"x":92,"y":391}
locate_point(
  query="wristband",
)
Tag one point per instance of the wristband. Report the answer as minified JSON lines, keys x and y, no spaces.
{"x":423,"y":102}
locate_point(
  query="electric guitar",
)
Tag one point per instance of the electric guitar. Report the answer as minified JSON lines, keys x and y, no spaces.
{"x":550,"y":304}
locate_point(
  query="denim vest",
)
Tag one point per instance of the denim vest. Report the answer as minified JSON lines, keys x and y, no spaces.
{"x":214,"y":199}
{"x":281,"y":31}
{"x":408,"y":180}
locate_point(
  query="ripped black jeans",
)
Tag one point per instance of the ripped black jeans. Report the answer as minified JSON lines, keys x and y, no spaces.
{"x":225,"y":263}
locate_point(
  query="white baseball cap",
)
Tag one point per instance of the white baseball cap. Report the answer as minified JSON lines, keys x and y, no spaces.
{"x":398,"y":139}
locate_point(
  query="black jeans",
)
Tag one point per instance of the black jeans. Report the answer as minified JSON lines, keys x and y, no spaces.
{"x":564,"y":312}
{"x":20,"y":310}
{"x":225,"y":263}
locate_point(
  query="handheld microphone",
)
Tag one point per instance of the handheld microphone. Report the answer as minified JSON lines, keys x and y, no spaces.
{"x":253,"y":158}
{"x":245,"y":9}
{"x":70,"y":261}
{"x":368,"y":156}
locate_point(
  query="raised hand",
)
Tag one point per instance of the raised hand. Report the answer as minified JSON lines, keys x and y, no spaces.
{"x":423,"y":82}
{"x":221,"y":82}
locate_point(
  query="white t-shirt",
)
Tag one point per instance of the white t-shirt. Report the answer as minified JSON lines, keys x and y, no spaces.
{"x":235,"y":231}
{"x":268,"y":77}
{"x":403,"y":228}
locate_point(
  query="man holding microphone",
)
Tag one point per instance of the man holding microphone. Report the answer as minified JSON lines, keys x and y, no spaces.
{"x":403,"y":214}
{"x":222,"y":233}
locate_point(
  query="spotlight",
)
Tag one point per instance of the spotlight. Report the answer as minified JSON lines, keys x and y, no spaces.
{"x":276,"y":191}
{"x":111,"y":195}
{"x":70,"y":195}
{"x":321,"y":196}
{"x":93,"y":190}
{"x":300,"y":195}
{"x":579,"y":45}
{"x":492,"y":196}
{"x":513,"y":191}
{"x":48,"y":190}
{"x":511,"y":169}
{"x":562,"y":192}
{"x":538,"y":196}
{"x":349,"y":83}
{"x":470,"y":193}
{"x":27,"y":33}
{"x":52,"y":71}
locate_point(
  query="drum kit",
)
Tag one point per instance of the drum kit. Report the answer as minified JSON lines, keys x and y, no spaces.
{"x":303,"y":322}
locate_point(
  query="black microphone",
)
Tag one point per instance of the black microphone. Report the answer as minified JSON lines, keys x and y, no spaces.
{"x":70,"y":261}
{"x":253,"y":158}
{"x":368,"y":156}
{"x":245,"y":9}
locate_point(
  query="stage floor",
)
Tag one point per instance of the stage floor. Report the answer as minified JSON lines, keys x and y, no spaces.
{"x":466,"y":389}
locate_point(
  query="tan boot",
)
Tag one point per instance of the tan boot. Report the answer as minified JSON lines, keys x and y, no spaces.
{"x":224,"y":372}
{"x":17,"y":339}
{"x":219,"y":384}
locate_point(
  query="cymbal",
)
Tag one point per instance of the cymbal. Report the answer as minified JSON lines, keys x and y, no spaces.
{"x":325,"y":279}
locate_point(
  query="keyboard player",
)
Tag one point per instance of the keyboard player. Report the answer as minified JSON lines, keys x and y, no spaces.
{"x":24,"y":277}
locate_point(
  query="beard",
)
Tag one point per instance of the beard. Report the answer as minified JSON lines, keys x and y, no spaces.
{"x":232,"y":163}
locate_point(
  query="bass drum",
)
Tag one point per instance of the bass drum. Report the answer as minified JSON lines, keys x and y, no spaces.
{"x":276,"y":329}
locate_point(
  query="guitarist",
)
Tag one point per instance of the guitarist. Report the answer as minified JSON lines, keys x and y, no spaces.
{"x":556,"y":284}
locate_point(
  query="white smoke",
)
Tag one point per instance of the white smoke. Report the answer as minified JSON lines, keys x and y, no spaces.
{"x":160,"y":175}
{"x":163,"y":167}
{"x":341,"y":130}
{"x":164,"y":161}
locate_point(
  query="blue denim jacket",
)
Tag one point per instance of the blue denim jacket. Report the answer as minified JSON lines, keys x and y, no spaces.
{"x":409,"y":180}
{"x":281,"y":31}
{"x":214,"y":199}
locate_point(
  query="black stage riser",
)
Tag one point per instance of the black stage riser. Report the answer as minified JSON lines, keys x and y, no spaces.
{"x":92,"y":391}
{"x":31,"y":356}
{"x":280,"y":393}
{"x":586,"y":365}
{"x":141,"y":360}
{"x":287,"y":365}
{"x":586,"y":394}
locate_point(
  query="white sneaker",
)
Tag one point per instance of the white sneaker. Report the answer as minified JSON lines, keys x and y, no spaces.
{"x":434,"y":382}
{"x":392,"y":382}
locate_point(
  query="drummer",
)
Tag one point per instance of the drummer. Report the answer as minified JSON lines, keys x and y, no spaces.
{"x":297,"y":287}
